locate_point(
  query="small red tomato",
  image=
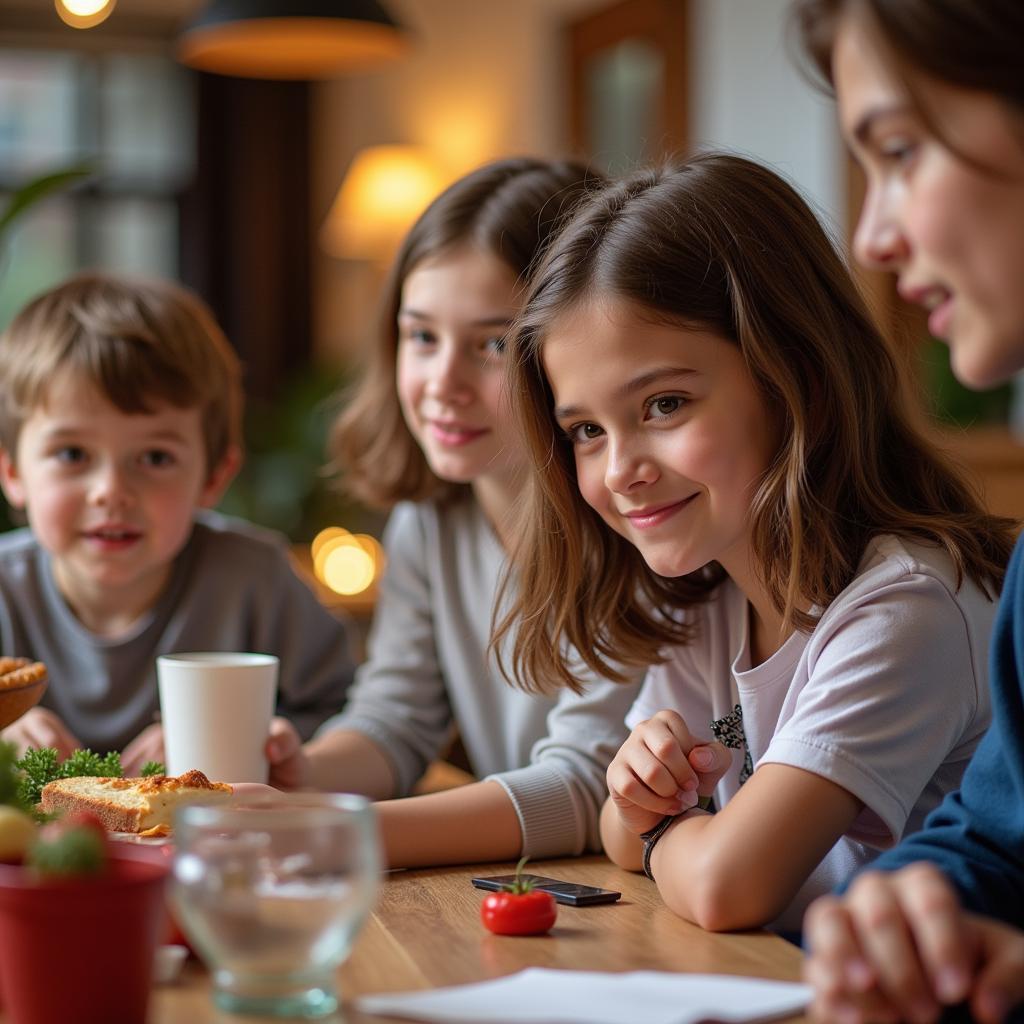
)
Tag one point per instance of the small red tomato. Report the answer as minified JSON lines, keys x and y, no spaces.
{"x":519,"y":909}
{"x":514,"y":913}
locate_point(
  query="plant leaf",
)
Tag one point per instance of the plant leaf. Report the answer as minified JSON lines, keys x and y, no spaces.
{"x":37,"y":189}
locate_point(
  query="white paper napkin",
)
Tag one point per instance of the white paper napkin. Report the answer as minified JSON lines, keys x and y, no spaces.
{"x":541,"y":996}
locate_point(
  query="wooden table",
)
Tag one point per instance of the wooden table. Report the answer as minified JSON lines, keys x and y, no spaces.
{"x":425,"y":932}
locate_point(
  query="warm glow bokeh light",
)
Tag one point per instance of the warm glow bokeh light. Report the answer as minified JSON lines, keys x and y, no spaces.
{"x":349,"y":570}
{"x":384,"y":191}
{"x":84,"y":13}
{"x":346,"y":563}
{"x":328,"y":533}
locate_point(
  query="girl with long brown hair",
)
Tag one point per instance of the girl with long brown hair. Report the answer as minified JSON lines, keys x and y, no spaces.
{"x":931,"y":102}
{"x":426,"y":435}
{"x":728,"y":488}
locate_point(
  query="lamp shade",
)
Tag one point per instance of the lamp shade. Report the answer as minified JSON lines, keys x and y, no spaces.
{"x":385,"y":190}
{"x":291,"y":39}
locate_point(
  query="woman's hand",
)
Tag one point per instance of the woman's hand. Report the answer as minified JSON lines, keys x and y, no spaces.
{"x":662,"y":769}
{"x":900,"y":947}
{"x":147,"y":746}
{"x":289,"y":764}
{"x":39,"y":728}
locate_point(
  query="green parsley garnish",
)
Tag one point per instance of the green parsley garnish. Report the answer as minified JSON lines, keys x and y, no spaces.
{"x":38,"y":767}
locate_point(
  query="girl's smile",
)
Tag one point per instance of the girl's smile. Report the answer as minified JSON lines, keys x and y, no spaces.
{"x":652,"y":516}
{"x":455,"y":435}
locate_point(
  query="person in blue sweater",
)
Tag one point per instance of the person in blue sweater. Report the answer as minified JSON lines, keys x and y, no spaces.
{"x":930,"y":98}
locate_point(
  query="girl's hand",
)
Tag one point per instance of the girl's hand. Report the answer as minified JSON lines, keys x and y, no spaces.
{"x":39,"y":728}
{"x":899,"y":947}
{"x":662,"y":769}
{"x":289,"y":765}
{"x":147,"y":746}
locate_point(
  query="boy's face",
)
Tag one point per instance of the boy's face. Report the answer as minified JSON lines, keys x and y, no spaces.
{"x":110,"y":495}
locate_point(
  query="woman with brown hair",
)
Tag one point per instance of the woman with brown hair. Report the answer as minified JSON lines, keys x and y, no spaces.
{"x":931,"y":101}
{"x":427,"y":435}
{"x":729,"y":489}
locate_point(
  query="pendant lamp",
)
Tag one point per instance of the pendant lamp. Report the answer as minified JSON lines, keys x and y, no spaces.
{"x":296,"y":39}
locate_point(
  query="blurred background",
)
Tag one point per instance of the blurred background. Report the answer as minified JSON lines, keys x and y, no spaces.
{"x":279,"y":190}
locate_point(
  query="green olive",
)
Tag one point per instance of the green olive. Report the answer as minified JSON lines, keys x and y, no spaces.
{"x":17,"y":832}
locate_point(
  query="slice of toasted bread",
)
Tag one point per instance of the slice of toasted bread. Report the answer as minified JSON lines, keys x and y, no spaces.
{"x":132,"y":805}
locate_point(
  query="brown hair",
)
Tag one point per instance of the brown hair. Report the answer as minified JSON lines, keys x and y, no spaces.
{"x":509,"y":208}
{"x":138,"y":341}
{"x":721,"y":244}
{"x":974,"y":44}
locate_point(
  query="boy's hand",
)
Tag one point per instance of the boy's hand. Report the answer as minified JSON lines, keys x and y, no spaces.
{"x":289,"y":765}
{"x":39,"y":728}
{"x":147,"y":746}
{"x":662,"y":769}
{"x":899,"y":947}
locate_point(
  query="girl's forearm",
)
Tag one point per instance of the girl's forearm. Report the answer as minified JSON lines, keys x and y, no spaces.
{"x":621,"y":846}
{"x":466,"y":825}
{"x":347,"y":761}
{"x":741,"y":868}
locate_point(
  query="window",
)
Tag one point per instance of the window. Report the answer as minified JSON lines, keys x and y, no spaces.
{"x":133,"y":115}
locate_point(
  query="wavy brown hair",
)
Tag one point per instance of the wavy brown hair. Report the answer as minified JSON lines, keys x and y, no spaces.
{"x":724,"y":245}
{"x":509,"y":208}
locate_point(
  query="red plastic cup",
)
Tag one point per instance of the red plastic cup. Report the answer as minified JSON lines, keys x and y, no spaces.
{"x":163,"y":853}
{"x":80,"y":949}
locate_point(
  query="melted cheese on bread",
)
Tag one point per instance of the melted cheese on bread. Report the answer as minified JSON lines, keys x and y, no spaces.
{"x":132,"y":805}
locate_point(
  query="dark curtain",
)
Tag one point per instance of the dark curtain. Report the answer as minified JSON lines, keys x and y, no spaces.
{"x":245,"y":233}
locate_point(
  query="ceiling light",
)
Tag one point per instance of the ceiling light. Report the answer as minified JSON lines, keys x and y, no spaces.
{"x":291,"y":39}
{"x":84,"y":13}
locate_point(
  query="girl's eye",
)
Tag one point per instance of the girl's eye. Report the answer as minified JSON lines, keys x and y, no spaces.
{"x":665,"y":406}
{"x":420,"y":336}
{"x":157,"y":458}
{"x":495,"y":345}
{"x":581,"y":433}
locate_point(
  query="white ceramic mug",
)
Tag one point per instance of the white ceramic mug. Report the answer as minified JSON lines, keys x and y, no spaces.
{"x":216,"y":709}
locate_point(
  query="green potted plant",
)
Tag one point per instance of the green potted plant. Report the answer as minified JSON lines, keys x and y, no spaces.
{"x":33,"y":192}
{"x":20,"y":203}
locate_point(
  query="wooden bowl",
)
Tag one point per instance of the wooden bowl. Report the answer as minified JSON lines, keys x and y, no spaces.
{"x":20,"y":689}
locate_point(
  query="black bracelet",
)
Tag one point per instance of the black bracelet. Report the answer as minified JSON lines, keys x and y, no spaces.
{"x":651,"y":837}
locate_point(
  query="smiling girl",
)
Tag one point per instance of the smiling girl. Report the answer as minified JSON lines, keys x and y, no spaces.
{"x":931,"y":102}
{"x":428,"y":435}
{"x":719,"y":437}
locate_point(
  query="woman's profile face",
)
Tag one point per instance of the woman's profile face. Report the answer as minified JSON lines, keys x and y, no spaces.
{"x":950,"y":228}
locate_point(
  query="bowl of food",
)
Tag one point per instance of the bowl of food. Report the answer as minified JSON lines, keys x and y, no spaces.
{"x":22,"y":684}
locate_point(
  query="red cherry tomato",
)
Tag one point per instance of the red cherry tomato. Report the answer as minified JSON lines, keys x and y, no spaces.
{"x":73,"y":822}
{"x":515,"y":913}
{"x":85,"y":819}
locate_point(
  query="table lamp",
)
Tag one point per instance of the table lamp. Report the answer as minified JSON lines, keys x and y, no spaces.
{"x":385,"y":190}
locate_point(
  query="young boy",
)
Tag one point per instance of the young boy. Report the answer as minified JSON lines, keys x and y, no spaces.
{"x":120,"y":421}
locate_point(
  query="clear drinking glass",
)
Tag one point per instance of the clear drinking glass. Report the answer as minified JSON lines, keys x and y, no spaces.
{"x":272,"y":891}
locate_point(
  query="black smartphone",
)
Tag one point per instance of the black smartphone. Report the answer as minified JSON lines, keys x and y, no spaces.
{"x":572,"y":893}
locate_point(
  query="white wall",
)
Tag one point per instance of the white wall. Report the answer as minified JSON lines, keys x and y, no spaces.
{"x":749,"y":96}
{"x":486,"y":78}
